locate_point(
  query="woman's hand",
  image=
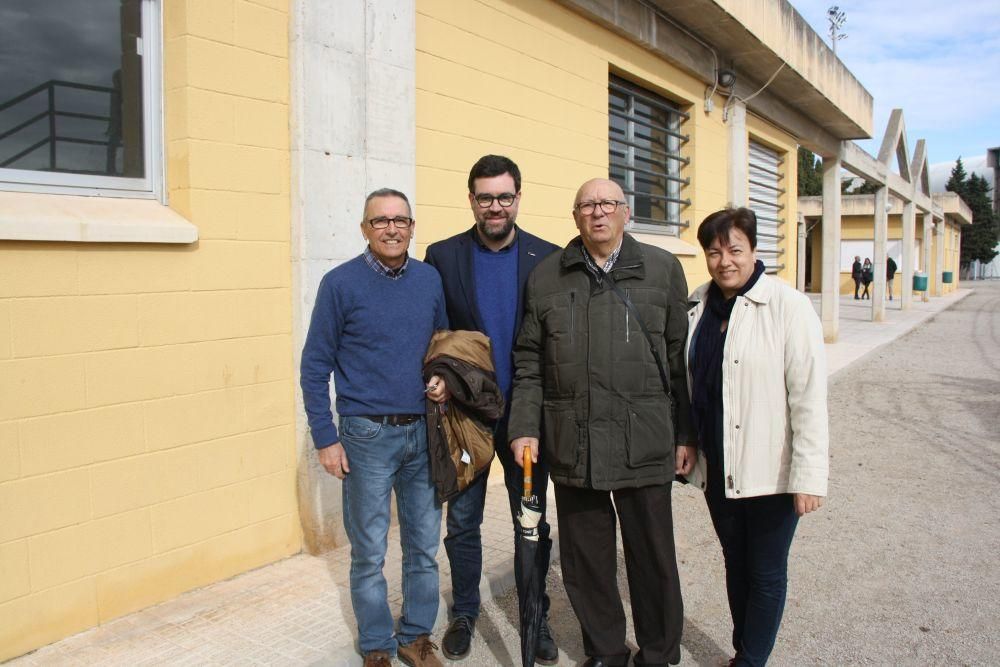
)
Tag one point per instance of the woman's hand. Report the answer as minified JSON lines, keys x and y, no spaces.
{"x":804,"y":503}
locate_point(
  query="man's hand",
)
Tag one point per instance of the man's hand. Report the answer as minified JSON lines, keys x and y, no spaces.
{"x":437,"y":389}
{"x":684,"y":459}
{"x":518,"y":446}
{"x":334,"y":459}
{"x":804,"y":503}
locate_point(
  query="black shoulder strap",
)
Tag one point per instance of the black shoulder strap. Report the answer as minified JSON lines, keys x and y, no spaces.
{"x":642,"y":325}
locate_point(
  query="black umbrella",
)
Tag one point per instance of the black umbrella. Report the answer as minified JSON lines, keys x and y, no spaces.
{"x":528,"y":557}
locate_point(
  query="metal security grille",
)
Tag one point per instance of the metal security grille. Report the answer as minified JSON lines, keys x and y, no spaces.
{"x":644,"y":151}
{"x":765,"y":200}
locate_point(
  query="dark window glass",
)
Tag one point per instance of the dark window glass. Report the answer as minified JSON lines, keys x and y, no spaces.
{"x":644,"y":153}
{"x":71,"y":86}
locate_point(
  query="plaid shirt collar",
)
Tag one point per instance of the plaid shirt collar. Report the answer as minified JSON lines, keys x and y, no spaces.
{"x":608,"y":265}
{"x":376,"y":264}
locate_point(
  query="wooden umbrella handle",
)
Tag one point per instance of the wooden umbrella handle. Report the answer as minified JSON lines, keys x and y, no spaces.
{"x":528,"y":482}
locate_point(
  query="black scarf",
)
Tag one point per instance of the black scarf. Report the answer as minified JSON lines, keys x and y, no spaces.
{"x":706,"y":364}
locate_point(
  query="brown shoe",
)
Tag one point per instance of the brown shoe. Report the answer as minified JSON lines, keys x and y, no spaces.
{"x":378,"y":659}
{"x":421,"y":653}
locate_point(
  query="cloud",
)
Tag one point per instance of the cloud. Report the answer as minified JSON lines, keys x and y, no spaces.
{"x":935,"y":60}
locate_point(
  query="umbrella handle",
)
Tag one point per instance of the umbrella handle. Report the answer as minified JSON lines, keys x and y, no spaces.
{"x":528,"y":481}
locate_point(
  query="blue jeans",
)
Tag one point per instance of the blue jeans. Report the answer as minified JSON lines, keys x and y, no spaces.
{"x":463,"y":540}
{"x":756,"y":535}
{"x":384,"y":458}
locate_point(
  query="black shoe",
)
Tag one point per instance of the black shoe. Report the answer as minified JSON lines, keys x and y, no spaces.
{"x":607,"y":662}
{"x":546,"y":651}
{"x":458,"y":639}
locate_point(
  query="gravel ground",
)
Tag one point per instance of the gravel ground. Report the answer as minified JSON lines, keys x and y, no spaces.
{"x":900,"y":565}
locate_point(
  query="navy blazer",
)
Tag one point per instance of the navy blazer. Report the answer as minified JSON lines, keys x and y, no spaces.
{"x":452,"y":258}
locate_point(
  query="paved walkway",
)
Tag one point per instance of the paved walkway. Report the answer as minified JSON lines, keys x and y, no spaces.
{"x":298,"y":611}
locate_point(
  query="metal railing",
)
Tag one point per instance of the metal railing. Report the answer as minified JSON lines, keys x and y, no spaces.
{"x":51,"y":113}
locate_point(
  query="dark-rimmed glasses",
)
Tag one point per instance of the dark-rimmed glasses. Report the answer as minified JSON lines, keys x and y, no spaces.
{"x":399,"y":222}
{"x":485,"y":200}
{"x":609,"y":206}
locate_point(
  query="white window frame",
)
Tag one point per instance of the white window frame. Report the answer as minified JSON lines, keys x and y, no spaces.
{"x":674,"y":161}
{"x":151,"y":185}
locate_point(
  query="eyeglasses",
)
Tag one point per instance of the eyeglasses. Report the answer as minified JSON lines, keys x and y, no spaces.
{"x":400,"y":222}
{"x":486,"y":200}
{"x":609,"y":206}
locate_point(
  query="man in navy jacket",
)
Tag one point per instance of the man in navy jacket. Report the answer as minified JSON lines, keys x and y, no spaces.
{"x":483,"y":271}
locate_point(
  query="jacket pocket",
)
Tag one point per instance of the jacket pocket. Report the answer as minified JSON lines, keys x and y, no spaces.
{"x":650,"y":438}
{"x":562,"y":434}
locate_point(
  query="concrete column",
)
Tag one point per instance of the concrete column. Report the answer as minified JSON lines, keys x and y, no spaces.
{"x":738,"y":187}
{"x":881,"y":241}
{"x":800,"y":261}
{"x":925,"y":261}
{"x":909,"y":243}
{"x":353,"y":104}
{"x":830,"y":298}
{"x":939,"y":232}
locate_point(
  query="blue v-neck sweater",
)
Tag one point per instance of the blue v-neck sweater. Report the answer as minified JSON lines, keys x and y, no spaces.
{"x":371,"y":332}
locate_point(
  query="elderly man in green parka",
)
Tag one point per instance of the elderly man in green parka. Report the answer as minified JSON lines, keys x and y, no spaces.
{"x":585,"y":373}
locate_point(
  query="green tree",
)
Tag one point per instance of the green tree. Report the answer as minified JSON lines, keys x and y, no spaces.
{"x":979,"y":240}
{"x":810,"y":176}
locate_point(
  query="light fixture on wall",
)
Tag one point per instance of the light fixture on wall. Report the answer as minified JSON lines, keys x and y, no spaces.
{"x":726,"y":78}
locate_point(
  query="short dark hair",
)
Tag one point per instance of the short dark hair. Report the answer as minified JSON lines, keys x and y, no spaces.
{"x":489,"y":166}
{"x":718,"y":225}
{"x":387,"y":192}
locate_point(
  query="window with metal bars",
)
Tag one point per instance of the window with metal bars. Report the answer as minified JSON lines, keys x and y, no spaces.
{"x":766,"y":192}
{"x":644,"y":156}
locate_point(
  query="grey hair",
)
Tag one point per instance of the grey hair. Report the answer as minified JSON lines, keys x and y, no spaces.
{"x":388,"y":192}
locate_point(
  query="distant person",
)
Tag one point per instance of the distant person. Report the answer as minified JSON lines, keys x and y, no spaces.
{"x":890,"y":273}
{"x":856,"y":275}
{"x":757,"y":373}
{"x":867,"y":275}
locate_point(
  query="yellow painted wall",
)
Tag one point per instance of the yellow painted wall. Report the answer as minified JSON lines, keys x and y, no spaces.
{"x":529,"y":79}
{"x":146,"y":391}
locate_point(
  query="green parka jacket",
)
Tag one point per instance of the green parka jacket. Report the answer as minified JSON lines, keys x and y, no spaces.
{"x":585,"y":381}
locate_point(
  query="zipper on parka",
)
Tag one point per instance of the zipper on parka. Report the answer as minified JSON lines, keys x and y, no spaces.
{"x":572,"y":317}
{"x":626,"y":316}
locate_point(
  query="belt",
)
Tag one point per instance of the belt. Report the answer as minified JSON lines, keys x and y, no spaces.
{"x":393,"y":420}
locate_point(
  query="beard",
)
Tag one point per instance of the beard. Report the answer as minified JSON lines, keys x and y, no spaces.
{"x":496,"y":229}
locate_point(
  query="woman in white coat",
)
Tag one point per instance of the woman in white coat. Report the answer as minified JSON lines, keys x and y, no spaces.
{"x":757,"y":377}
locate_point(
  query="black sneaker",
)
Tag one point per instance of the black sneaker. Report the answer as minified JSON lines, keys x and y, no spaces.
{"x":458,"y":639}
{"x":546,"y":651}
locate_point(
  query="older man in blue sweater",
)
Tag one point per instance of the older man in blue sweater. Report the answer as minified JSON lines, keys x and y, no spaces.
{"x":371,"y":325}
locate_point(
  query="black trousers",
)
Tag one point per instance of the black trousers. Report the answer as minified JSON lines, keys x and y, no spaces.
{"x":589,"y":555}
{"x":756,"y":535}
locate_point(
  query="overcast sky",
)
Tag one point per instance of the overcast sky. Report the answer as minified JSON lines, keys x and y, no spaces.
{"x":937,"y":60}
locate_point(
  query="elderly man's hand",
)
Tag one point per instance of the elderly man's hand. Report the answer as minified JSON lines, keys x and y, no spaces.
{"x":334,"y":459}
{"x":518,"y":445}
{"x":684,"y":459}
{"x":437,"y":389}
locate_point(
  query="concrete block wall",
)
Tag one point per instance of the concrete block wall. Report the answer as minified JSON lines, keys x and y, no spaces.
{"x":146,"y":392}
{"x":352,"y":132}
